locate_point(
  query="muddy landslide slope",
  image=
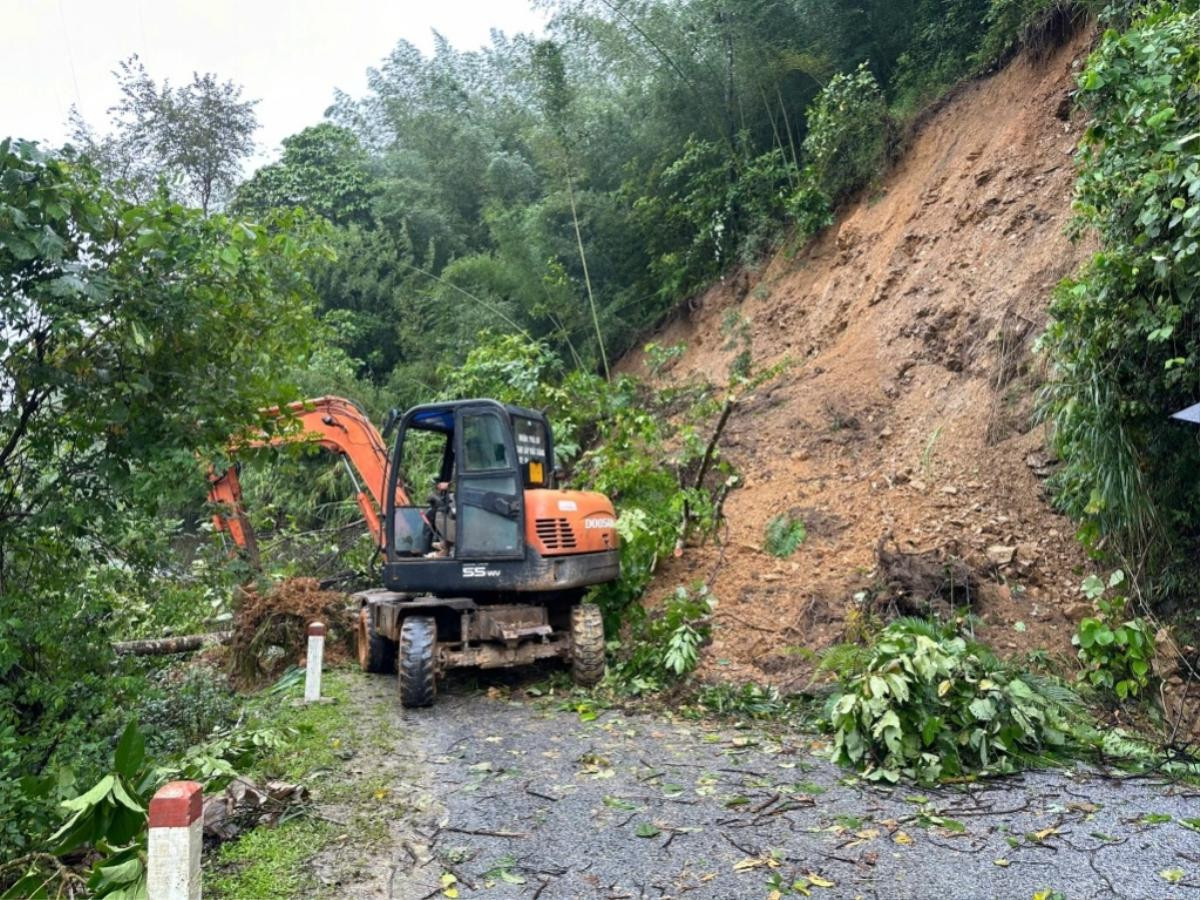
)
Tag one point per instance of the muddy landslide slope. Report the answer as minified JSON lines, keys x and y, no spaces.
{"x":906,"y":416}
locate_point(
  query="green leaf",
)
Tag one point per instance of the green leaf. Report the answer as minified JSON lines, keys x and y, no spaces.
{"x":983,"y":709}
{"x":1161,"y":117}
{"x":120,"y":873}
{"x":131,"y":751}
{"x":99,"y":791}
{"x":646,"y":830}
{"x":619,"y":803}
{"x":31,"y":886}
{"x":121,"y":796}
{"x":78,"y":830}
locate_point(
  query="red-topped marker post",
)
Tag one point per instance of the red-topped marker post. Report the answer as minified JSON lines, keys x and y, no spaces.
{"x":176,"y":834}
{"x":316,"y":650}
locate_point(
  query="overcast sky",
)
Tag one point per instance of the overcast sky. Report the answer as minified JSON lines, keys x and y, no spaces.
{"x":289,"y":54}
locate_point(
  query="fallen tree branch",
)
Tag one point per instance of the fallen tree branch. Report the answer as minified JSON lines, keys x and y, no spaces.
{"x":485,"y":833}
{"x":705,"y":464}
{"x":730,"y":403}
{"x":185,"y":643}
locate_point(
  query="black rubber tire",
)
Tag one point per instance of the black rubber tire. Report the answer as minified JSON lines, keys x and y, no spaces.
{"x":587,"y":644}
{"x":417,"y":675}
{"x":376,"y":653}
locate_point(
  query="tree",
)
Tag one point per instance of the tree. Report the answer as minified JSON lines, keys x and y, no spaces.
{"x":133,"y":336}
{"x":193,"y":137}
{"x":324,"y":169}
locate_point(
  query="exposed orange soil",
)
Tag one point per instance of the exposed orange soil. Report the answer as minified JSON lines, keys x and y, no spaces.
{"x":907,"y":411}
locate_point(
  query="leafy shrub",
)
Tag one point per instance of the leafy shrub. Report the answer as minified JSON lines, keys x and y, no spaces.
{"x":848,"y":126}
{"x":758,"y":200}
{"x":809,"y":207}
{"x":109,"y":818}
{"x":665,"y":644}
{"x":1123,"y":338}
{"x":706,"y":209}
{"x":660,"y":357}
{"x":217,"y":761}
{"x":182,"y":708}
{"x":784,"y":535}
{"x":929,"y":704}
{"x":1116,"y":652}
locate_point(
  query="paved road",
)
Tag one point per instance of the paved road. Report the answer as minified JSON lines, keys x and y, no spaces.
{"x":525,"y":800}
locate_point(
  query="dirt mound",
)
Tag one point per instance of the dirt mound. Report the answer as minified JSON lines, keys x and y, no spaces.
{"x":271,"y":628}
{"x":908,"y":407}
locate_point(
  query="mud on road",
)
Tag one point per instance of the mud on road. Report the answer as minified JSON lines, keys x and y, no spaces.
{"x":513,"y":796}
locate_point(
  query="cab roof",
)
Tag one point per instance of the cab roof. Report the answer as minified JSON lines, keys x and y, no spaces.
{"x":440,"y":416}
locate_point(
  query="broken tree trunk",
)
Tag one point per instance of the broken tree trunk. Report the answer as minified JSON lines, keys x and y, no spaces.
{"x":705,"y":463}
{"x":730,"y":403}
{"x":185,"y":643}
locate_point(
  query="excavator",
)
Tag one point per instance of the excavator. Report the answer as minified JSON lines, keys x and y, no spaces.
{"x":491,"y":571}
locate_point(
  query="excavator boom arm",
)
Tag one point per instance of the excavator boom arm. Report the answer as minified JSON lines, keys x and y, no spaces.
{"x":334,"y":423}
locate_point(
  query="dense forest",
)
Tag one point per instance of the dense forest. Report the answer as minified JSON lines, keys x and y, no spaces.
{"x":510,"y":222}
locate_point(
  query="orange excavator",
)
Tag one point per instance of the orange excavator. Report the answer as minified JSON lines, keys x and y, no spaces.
{"x":491,"y":571}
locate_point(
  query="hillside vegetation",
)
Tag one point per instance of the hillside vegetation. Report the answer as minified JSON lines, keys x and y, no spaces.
{"x":858,"y":311}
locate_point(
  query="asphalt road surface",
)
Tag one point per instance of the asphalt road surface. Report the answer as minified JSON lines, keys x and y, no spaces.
{"x":521,"y":798}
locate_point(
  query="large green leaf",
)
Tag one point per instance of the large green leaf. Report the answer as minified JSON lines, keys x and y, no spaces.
{"x":131,"y":751}
{"x":92,"y":797}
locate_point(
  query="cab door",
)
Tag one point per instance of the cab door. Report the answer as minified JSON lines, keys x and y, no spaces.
{"x":490,"y":496}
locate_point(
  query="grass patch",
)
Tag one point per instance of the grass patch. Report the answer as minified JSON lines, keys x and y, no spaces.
{"x":269,"y":862}
{"x":321,"y":730}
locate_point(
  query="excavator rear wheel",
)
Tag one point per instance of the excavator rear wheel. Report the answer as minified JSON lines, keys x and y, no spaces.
{"x":418,"y":678}
{"x":587,"y":644}
{"x":375,"y":652}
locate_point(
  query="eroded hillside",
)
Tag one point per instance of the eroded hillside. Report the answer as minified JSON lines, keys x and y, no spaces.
{"x":906,"y":418}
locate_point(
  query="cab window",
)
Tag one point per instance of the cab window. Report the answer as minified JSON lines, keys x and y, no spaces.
{"x":483,"y":443}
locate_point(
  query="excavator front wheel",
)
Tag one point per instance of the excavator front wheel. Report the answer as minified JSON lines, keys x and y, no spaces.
{"x":587,"y":644}
{"x":416,"y":671}
{"x":375,"y":652}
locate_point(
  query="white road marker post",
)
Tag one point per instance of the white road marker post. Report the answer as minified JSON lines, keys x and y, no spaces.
{"x":316,"y":650}
{"x":176,"y":835}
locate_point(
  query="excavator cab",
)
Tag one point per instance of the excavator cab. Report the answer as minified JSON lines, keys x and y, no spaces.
{"x":487,"y":455}
{"x":495,"y":522}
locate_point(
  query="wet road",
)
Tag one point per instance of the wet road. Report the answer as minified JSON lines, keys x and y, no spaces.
{"x":526,"y":800}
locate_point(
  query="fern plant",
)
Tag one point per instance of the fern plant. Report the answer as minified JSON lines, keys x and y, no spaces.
{"x":784,"y":535}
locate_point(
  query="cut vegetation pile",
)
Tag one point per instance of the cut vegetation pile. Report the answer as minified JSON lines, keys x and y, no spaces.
{"x":271,"y":628}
